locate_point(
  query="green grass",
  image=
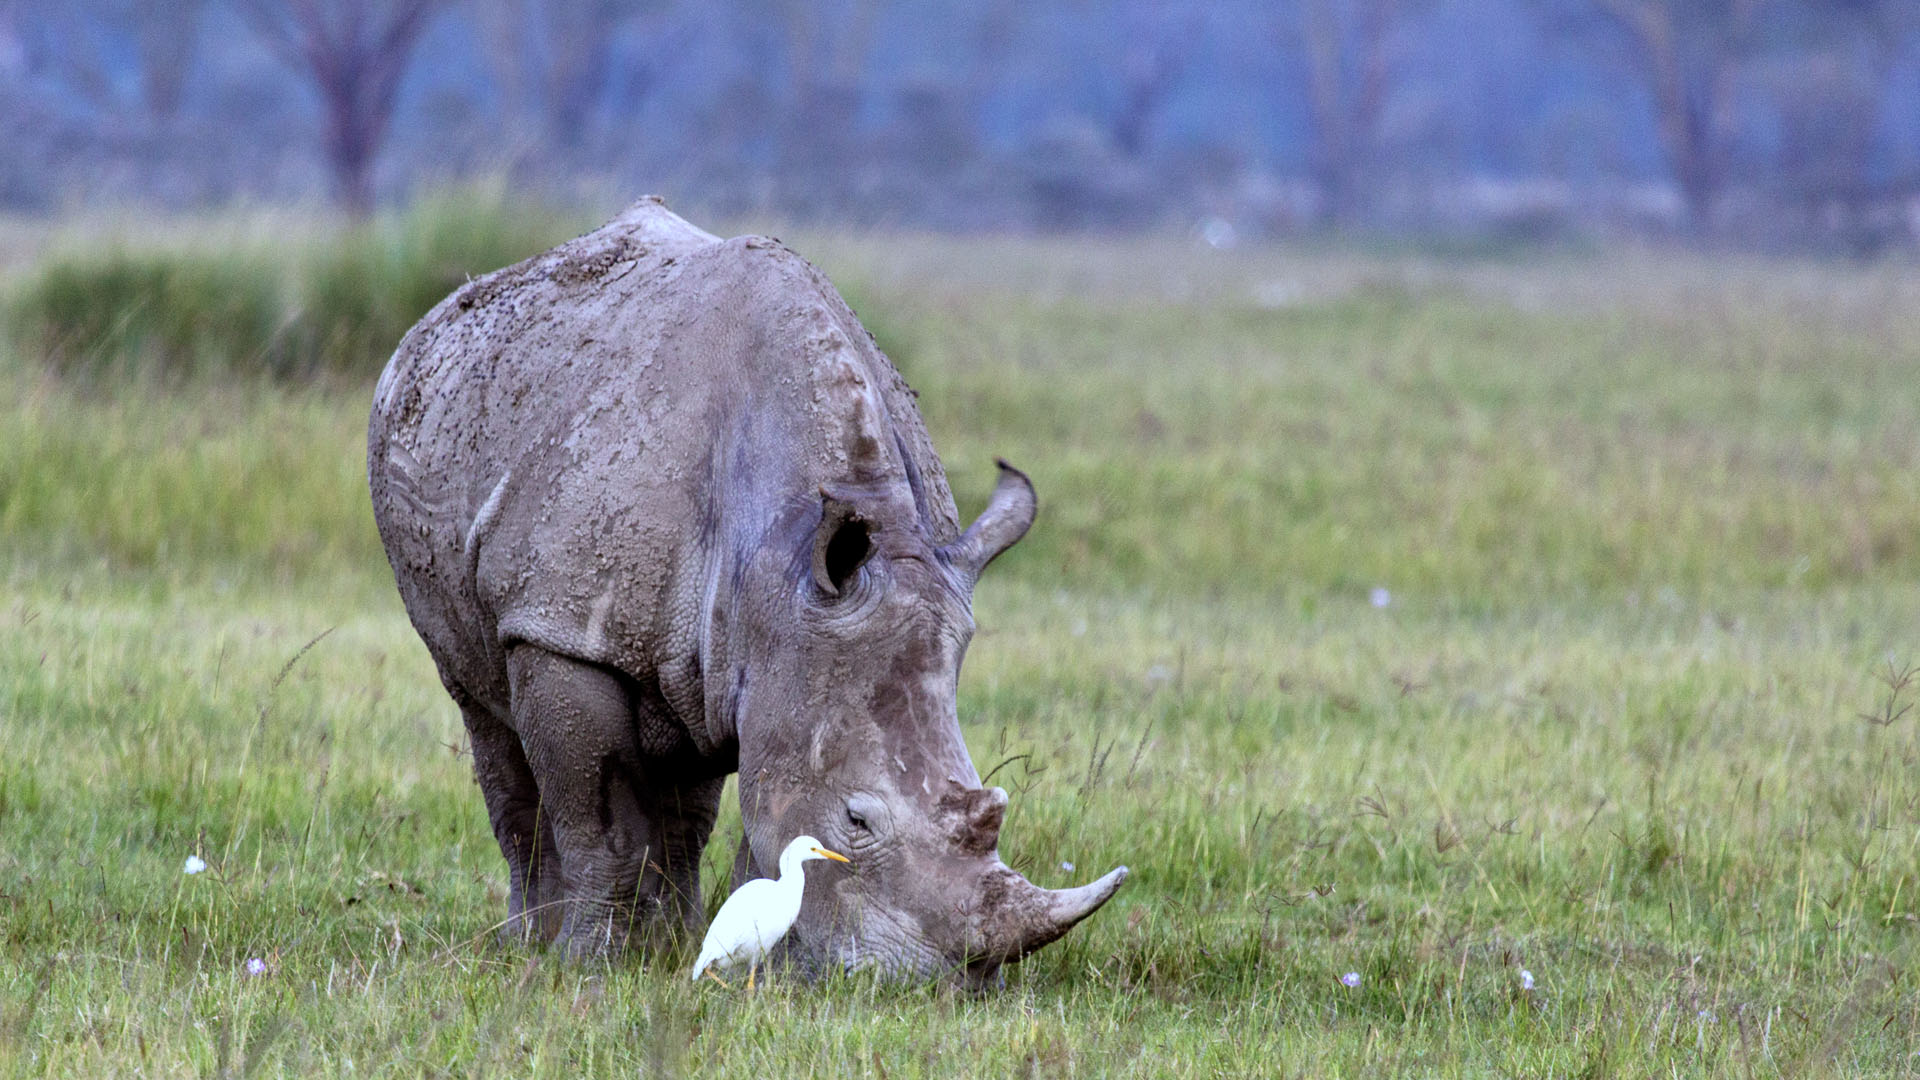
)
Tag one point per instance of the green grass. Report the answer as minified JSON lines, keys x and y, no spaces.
{"x":285,"y":299}
{"x":1652,"y":533}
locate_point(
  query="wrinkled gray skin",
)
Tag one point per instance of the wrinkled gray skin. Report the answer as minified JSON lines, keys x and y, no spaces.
{"x":662,"y":512}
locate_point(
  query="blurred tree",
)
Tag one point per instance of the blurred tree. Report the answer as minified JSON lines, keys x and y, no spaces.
{"x":828,"y":45}
{"x":993,"y":47}
{"x":1690,"y":52}
{"x":1346,"y":48}
{"x":554,"y":60}
{"x":86,"y":44}
{"x":166,"y":34}
{"x":1831,"y":90}
{"x":354,"y":52}
{"x":1158,"y":42}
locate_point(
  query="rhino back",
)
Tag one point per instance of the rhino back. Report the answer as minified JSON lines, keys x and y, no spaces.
{"x":571,"y":451}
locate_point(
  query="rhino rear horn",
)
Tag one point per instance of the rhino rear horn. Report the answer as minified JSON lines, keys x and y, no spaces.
{"x":979,"y":815}
{"x":1008,"y":515}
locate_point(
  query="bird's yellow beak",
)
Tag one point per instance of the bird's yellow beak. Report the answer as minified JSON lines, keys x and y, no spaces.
{"x":834,"y":855}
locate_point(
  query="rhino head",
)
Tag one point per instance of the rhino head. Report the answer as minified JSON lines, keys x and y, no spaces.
{"x":851,"y":646}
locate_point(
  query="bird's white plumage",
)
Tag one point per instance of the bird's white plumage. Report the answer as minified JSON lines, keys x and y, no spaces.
{"x":759,"y":913}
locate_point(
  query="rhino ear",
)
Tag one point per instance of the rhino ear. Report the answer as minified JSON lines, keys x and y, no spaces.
{"x":843,"y":543}
{"x":1008,"y":515}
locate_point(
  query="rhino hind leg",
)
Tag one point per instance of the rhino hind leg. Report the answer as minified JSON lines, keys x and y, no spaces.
{"x":525,"y":834}
{"x":575,"y":723}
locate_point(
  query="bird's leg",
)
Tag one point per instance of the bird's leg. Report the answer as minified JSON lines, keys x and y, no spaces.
{"x":711,"y":974}
{"x":752,"y":966}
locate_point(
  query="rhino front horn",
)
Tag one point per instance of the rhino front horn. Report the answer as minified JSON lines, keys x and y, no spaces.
{"x":1008,"y":515}
{"x":1069,"y":906}
{"x":1040,"y":916}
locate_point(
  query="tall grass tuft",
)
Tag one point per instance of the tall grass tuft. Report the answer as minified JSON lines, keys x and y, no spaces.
{"x":97,"y":314}
{"x":330,"y":303}
{"x":360,"y":293}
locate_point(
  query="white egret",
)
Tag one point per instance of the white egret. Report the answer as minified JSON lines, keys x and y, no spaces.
{"x":760,"y":913}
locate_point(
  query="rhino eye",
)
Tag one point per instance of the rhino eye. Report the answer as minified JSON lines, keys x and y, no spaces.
{"x":864,"y":811}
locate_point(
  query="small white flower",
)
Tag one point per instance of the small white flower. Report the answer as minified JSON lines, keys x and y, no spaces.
{"x":1350,"y":979}
{"x":195,"y":864}
{"x":1380,"y":597}
{"x":1067,"y":866}
{"x":256,"y":966}
{"x":1526,"y":979}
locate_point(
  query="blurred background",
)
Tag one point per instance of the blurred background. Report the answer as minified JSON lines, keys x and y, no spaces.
{"x":1760,"y":124}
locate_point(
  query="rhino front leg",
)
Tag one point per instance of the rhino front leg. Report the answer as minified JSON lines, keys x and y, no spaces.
{"x":576,"y":723}
{"x":687,"y":814}
{"x":744,"y":868}
{"x":513,"y":809}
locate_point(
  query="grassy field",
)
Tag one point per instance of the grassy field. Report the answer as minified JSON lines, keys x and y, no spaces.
{"x":1615,"y":778}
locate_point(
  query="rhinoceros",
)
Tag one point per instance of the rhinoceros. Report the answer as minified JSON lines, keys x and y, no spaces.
{"x":662,"y":511}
